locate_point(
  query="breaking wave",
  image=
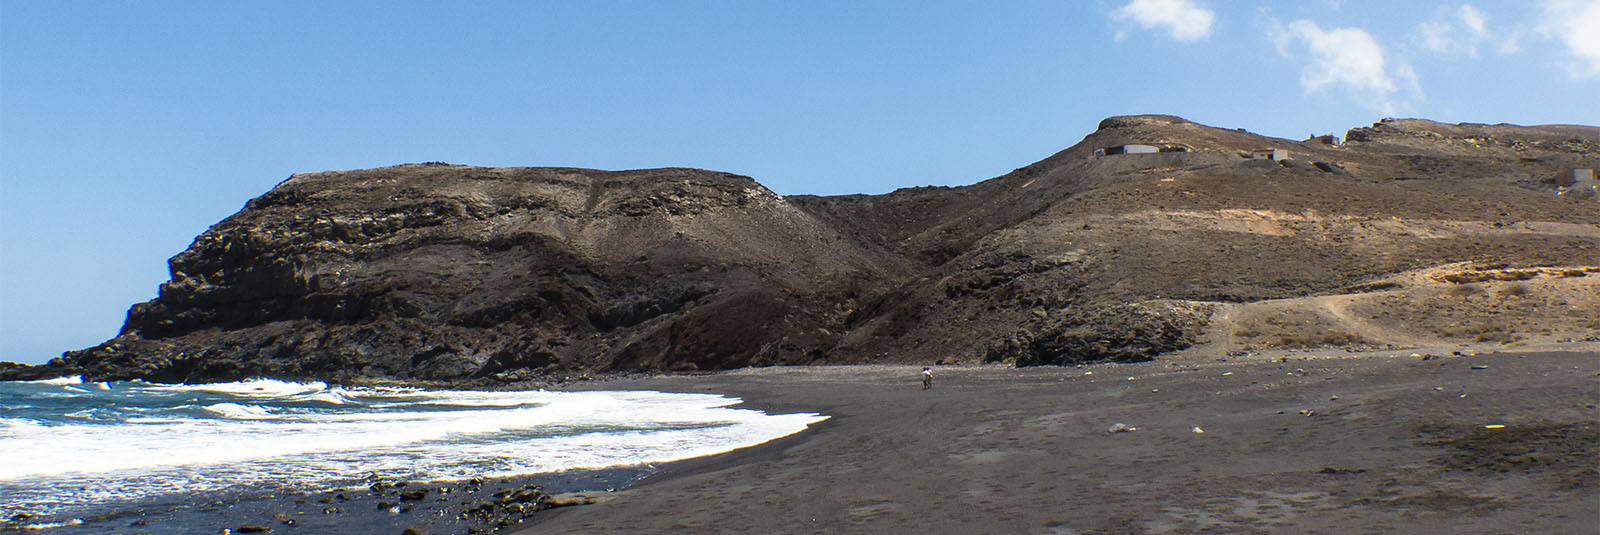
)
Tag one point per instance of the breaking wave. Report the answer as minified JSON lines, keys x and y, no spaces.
{"x":93,"y":443}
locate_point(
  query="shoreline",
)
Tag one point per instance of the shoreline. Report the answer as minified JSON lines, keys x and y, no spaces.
{"x":356,"y":509}
{"x":994,"y":449}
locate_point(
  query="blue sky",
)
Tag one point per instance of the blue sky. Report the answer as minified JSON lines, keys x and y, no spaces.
{"x":127,"y":128}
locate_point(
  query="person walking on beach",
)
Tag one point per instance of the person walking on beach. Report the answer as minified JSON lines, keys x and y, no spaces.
{"x":927,"y":377}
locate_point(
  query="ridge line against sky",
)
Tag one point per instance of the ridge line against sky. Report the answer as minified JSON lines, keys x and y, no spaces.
{"x":126,"y":129}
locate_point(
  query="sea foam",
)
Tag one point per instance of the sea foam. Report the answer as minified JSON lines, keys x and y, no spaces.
{"x":136,"y":440}
{"x":68,"y":380}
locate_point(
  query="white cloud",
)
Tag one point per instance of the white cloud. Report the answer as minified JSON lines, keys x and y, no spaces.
{"x":1411,"y":83}
{"x":1183,"y":20}
{"x":1435,"y":36}
{"x":1352,"y":60}
{"x":1345,"y":56}
{"x":1576,"y":23}
{"x":1276,"y":32}
{"x":1456,"y":31}
{"x":1511,"y":42}
{"x":1473,"y":19}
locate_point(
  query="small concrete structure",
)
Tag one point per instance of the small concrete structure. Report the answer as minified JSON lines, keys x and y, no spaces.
{"x":1127,"y":149}
{"x":1276,"y":155}
{"x":1141,"y":149}
{"x":1583,"y":186}
{"x":1325,"y":139}
{"x":1574,"y":178}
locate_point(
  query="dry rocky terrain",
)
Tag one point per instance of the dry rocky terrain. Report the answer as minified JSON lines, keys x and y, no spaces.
{"x":1410,"y":233}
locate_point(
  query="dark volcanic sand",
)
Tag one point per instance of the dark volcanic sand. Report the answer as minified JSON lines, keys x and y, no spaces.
{"x":1386,"y":445}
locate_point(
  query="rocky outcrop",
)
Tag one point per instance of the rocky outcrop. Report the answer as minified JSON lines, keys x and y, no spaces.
{"x":458,"y":274}
{"x":452,"y":273}
{"x":1118,"y":333}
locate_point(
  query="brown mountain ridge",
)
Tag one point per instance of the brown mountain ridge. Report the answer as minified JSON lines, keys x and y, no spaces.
{"x":1410,"y":233}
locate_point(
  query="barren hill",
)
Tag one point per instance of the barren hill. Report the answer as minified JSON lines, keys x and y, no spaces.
{"x":1124,"y":256}
{"x":1404,"y":234}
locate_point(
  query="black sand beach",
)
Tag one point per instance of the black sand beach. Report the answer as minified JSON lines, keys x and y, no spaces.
{"x":1302,"y":442}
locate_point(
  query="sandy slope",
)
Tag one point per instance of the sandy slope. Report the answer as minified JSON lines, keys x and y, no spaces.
{"x":1455,"y":303}
{"x":1318,"y":443}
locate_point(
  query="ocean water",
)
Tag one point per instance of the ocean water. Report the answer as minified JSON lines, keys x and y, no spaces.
{"x":68,"y":445}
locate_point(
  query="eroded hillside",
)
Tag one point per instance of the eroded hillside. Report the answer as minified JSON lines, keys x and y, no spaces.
{"x":1126,"y":256}
{"x":454,"y":273}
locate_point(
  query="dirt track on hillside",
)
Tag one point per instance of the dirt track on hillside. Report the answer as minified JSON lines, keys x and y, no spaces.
{"x":1430,"y":307}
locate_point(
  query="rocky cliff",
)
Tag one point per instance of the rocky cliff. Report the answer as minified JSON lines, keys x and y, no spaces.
{"x":452,"y":273}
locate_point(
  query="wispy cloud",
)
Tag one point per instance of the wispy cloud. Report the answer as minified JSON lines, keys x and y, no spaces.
{"x":1455,"y":31}
{"x":1576,"y":24}
{"x":1348,"y":59}
{"x":1473,"y":19}
{"x":1511,"y":42}
{"x":1183,"y":20}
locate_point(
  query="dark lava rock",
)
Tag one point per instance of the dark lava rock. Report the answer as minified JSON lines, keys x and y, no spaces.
{"x":1120,"y":333}
{"x":460,"y":274}
{"x":11,"y":371}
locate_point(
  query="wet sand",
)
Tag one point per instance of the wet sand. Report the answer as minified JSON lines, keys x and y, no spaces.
{"x":1317,"y":443}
